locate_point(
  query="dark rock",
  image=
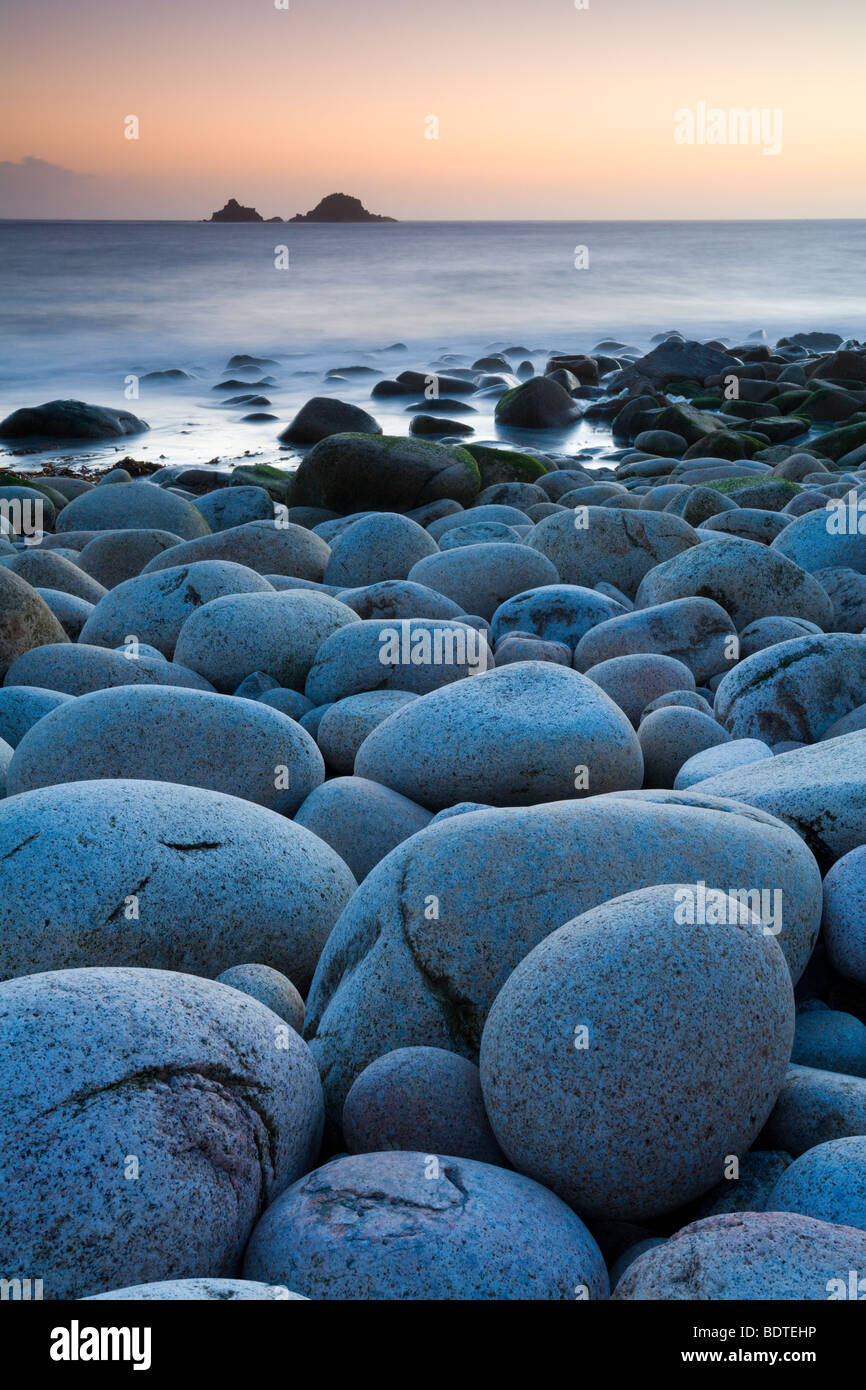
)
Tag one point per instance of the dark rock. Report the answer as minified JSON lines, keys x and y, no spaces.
{"x":233,"y":212}
{"x":70,"y":420}
{"x":322,"y":416}
{"x":339,"y":207}
{"x":353,"y":472}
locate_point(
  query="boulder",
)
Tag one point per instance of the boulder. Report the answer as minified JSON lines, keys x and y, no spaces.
{"x":70,"y":420}
{"x":524,"y":734}
{"x":153,"y":608}
{"x":22,"y":706}
{"x":132,"y":732}
{"x":234,"y":506}
{"x":536,"y":404}
{"x":588,"y":1118}
{"x":794,"y":690}
{"x":45,"y":569}
{"x":323,"y":416}
{"x":748,"y":1255}
{"x":695,"y":631}
{"x":346,"y":724}
{"x":132,"y":507}
{"x":555,"y":613}
{"x":719,"y":758}
{"x":598,"y":543}
{"x":670,"y":737}
{"x":26,"y":621}
{"x":481,"y":577}
{"x":423,"y":1227}
{"x":417,"y":654}
{"x":271,"y":988}
{"x":633,"y":682}
{"x":827,"y":1183}
{"x":109,"y":557}
{"x":748,"y":580}
{"x":844,"y":920}
{"x":178,"y":878}
{"x":269,"y":547}
{"x":361,"y":820}
{"x":357,"y":471}
{"x":435,"y":930}
{"x":278,"y":633}
{"x":398,"y":598}
{"x":420,"y":1099}
{"x":815,"y":1107}
{"x":171,"y":1114}
{"x":79,"y":668}
{"x":382,"y":546}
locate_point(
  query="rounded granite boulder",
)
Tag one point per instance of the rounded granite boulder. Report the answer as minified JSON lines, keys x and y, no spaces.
{"x":424,"y":1226}
{"x":269,"y":547}
{"x":26,"y":621}
{"x":594,"y":544}
{"x":578,"y":1038}
{"x":481,"y":577}
{"x":198,"y":1290}
{"x":361,"y":820}
{"x":515,"y":736}
{"x":695,"y":631}
{"x":555,"y":613}
{"x":719,"y":758}
{"x":112,"y":556}
{"x":45,"y":569}
{"x":746,"y":579}
{"x":827,"y":1183}
{"x":670,"y":737}
{"x":22,"y":706}
{"x":399,"y":598}
{"x":361,"y":471}
{"x":79,"y":668}
{"x":635,"y":681}
{"x":844,"y":922}
{"x":240,"y":747}
{"x":133,"y":507}
{"x":384,"y":545}
{"x":346,"y":724}
{"x":434,"y":931}
{"x":271,"y":988}
{"x":748,"y":1255}
{"x":168,"y":1109}
{"x":795,"y":690}
{"x":421,"y":1099}
{"x":154,"y":607}
{"x":151,"y":873}
{"x":230,"y":637}
{"x":815,"y":1106}
{"x":415,"y":654}
{"x":830,"y":1040}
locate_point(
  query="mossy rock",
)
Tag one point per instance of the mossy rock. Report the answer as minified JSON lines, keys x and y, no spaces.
{"x":693,"y":425}
{"x":275,"y":481}
{"x":725,"y":444}
{"x":789,"y":402}
{"x":684,"y":388}
{"x":836,"y":443}
{"x":829,"y":406}
{"x":365,"y":472}
{"x":707,"y":402}
{"x":729,"y":486}
{"x":505,"y":465}
{"x":783,"y":428}
{"x":24,"y":480}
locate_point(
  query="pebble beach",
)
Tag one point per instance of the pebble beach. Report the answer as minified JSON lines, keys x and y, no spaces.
{"x":433,"y":844}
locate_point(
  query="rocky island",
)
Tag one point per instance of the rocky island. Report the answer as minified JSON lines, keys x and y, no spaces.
{"x":233,"y":212}
{"x":339,"y":207}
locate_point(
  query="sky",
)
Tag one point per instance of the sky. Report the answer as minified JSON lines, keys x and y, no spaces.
{"x":539,"y":109}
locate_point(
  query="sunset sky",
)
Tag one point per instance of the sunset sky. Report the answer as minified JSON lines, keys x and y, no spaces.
{"x":544,"y":110}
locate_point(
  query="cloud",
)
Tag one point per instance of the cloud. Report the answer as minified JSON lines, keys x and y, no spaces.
{"x":32,"y":187}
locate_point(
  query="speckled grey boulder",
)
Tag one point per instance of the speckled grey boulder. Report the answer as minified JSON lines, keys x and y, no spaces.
{"x":830,"y":1041}
{"x":424,"y":1226}
{"x":226,"y":507}
{"x":399,"y":598}
{"x":670,"y":737}
{"x":21,"y":706}
{"x":79,"y":668}
{"x":814,"y":1107}
{"x":481,"y":577}
{"x":170,"y":1112}
{"x":744,"y":1187}
{"x":847,"y":591}
{"x":269,"y":547}
{"x":435,"y":930}
{"x":45,"y":569}
{"x":481,"y":533}
{"x":420,"y":1098}
{"x":345,"y":724}
{"x":690,"y":699}
{"x":112,"y":556}
{"x":820,"y":791}
{"x":747,"y":1255}
{"x":72,"y":613}
{"x":515,"y":736}
{"x":695,"y":631}
{"x":722,"y":757}
{"x":818,"y":541}
{"x":133,"y":507}
{"x":747,"y":579}
{"x":384,"y":545}
{"x":571,"y":1047}
{"x":845,"y":911}
{"x":132,"y":731}
{"x":554,"y":612}
{"x":614,"y":546}
{"x":271,"y":988}
{"x":154,"y":607}
{"x":751,"y":523}
{"x":26,"y":621}
{"x":150,"y":873}
{"x":362,"y":820}
{"x":766,"y":632}
{"x":290,"y":702}
{"x":224,"y":1290}
{"x":633,"y":682}
{"x":796,"y":690}
{"x":417,"y":654}
{"x":278,"y":633}
{"x":827,"y":1183}
{"x":476,"y":516}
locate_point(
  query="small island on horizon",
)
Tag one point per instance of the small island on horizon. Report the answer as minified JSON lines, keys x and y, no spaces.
{"x":336,"y":207}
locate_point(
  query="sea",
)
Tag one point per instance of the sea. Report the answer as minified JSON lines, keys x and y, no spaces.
{"x":88,"y":309}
